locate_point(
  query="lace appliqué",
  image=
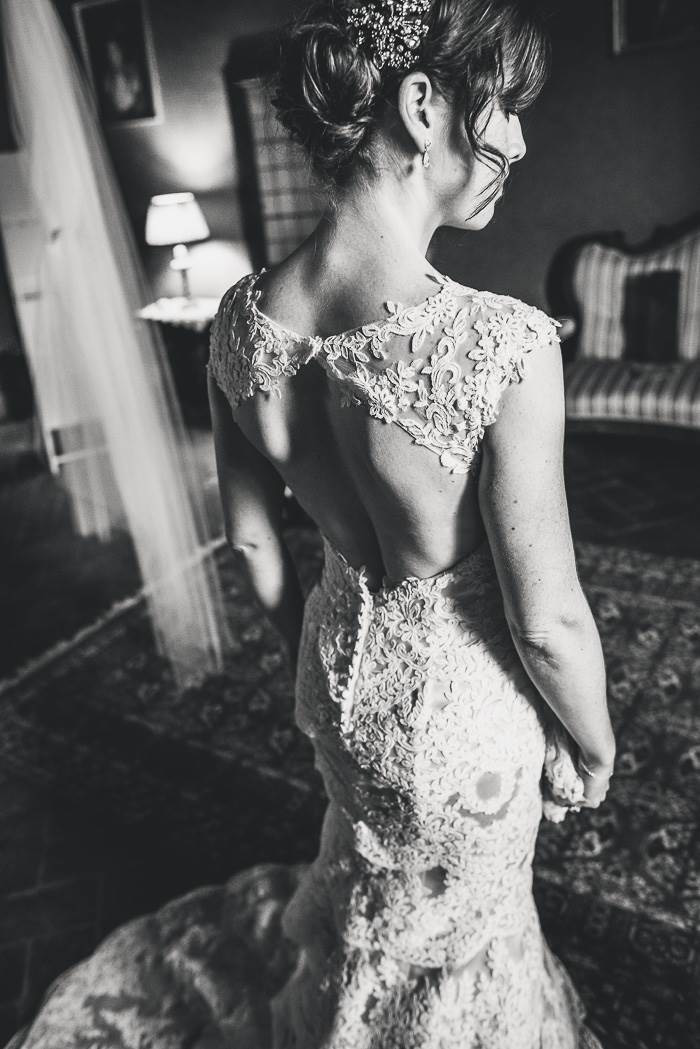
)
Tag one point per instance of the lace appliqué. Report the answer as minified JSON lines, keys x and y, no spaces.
{"x":447,"y":411}
{"x":431,"y":398}
{"x":431,"y":744}
{"x":258,"y":362}
{"x":416,"y":925}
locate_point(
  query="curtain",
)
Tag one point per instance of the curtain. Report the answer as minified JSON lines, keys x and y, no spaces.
{"x":100,"y":374}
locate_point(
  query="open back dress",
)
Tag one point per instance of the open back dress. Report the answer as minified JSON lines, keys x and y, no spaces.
{"x":415,"y":927}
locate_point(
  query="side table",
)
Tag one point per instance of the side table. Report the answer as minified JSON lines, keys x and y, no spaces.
{"x":186,"y":323}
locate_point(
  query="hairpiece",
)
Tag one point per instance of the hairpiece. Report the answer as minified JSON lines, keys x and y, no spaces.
{"x":391,"y":31}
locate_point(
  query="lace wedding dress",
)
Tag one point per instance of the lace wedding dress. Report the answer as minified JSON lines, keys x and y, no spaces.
{"x":415,"y":927}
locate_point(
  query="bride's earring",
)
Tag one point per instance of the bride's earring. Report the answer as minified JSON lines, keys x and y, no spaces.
{"x":426,"y":153}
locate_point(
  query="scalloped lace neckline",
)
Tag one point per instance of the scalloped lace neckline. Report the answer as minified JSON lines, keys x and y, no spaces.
{"x":396,"y":309}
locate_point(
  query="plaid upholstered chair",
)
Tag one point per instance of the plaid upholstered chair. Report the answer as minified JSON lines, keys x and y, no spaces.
{"x":279,"y":202}
{"x":632,"y":356}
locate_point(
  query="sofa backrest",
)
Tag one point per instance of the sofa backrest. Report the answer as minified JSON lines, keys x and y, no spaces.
{"x":605,"y":280}
{"x":639,"y":303}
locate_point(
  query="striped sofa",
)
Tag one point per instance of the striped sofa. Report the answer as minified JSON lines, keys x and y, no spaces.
{"x":631,"y":330}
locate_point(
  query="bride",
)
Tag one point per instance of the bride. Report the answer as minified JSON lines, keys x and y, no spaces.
{"x":448,"y":668}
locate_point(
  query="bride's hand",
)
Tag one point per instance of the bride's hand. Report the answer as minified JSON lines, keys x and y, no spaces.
{"x":596,"y":777}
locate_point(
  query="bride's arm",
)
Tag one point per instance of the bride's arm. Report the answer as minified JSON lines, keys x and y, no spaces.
{"x":252,"y":497}
{"x":523,"y":504}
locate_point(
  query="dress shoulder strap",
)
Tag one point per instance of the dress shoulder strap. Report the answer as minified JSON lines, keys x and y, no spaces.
{"x":222,"y":336}
{"x":507,"y":331}
{"x":246,"y":352}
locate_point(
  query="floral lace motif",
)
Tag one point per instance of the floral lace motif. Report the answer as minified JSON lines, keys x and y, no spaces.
{"x":433,"y":398}
{"x":416,"y":922}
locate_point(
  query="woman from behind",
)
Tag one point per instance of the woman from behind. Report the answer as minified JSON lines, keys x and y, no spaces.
{"x":448,"y":670}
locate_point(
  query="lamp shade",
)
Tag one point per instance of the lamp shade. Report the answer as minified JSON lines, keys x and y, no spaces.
{"x":175,"y":218}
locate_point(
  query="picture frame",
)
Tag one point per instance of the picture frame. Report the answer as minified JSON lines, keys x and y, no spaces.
{"x":117,"y":46}
{"x":642,"y":24}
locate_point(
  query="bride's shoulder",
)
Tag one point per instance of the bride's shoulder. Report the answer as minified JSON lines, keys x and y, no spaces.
{"x":500,"y":307}
{"x":504,"y":320}
{"x":504,"y":329}
{"x":240,"y":287}
{"x":232,"y":305}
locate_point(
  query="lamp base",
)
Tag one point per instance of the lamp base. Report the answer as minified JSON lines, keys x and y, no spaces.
{"x":181,"y":261}
{"x":185,"y":284}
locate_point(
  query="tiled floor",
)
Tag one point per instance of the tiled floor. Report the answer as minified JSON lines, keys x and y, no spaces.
{"x":68,"y":877}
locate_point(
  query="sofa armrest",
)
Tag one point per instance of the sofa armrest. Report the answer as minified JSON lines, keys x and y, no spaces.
{"x":568,"y":327}
{"x":568,"y":336}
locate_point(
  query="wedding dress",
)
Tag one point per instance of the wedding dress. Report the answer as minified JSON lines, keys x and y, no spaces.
{"x":415,"y":927}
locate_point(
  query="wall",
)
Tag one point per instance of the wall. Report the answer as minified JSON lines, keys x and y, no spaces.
{"x":192,"y":148}
{"x":613,"y":144}
{"x":610,"y":145}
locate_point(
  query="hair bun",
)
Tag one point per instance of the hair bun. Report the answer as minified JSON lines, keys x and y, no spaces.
{"x":333,"y":98}
{"x":325,"y":90}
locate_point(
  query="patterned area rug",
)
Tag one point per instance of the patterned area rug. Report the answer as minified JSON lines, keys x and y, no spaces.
{"x":222,"y":769}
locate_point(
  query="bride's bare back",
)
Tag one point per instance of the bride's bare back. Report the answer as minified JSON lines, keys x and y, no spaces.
{"x":403,"y":499}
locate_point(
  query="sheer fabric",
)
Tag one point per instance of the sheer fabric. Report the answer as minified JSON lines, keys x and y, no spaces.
{"x":432,"y":399}
{"x":100,"y":375}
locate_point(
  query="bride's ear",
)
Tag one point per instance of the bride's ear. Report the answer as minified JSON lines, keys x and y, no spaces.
{"x":415,"y":105}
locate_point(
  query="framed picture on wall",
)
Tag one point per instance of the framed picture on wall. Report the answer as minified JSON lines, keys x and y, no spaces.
{"x":117,"y":46}
{"x":641,"y":24}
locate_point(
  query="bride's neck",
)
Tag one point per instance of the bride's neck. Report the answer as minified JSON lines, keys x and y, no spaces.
{"x":383,"y":228}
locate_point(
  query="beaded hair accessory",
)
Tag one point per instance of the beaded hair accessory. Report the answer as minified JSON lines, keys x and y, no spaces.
{"x":391,"y":31}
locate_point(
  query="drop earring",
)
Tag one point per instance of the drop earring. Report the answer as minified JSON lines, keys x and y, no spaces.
{"x":426,"y":153}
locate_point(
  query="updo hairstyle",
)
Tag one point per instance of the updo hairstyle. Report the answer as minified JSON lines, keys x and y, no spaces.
{"x":330,"y":96}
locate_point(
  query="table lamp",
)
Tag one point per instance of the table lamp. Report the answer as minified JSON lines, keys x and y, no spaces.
{"x":176,"y":219}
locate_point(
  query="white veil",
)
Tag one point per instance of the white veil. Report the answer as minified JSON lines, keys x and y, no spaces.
{"x":99,"y":370}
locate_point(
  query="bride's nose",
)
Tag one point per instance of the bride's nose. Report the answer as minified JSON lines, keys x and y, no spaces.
{"x":516,"y":143}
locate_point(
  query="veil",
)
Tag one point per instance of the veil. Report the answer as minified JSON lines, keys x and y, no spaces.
{"x":99,"y":372}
